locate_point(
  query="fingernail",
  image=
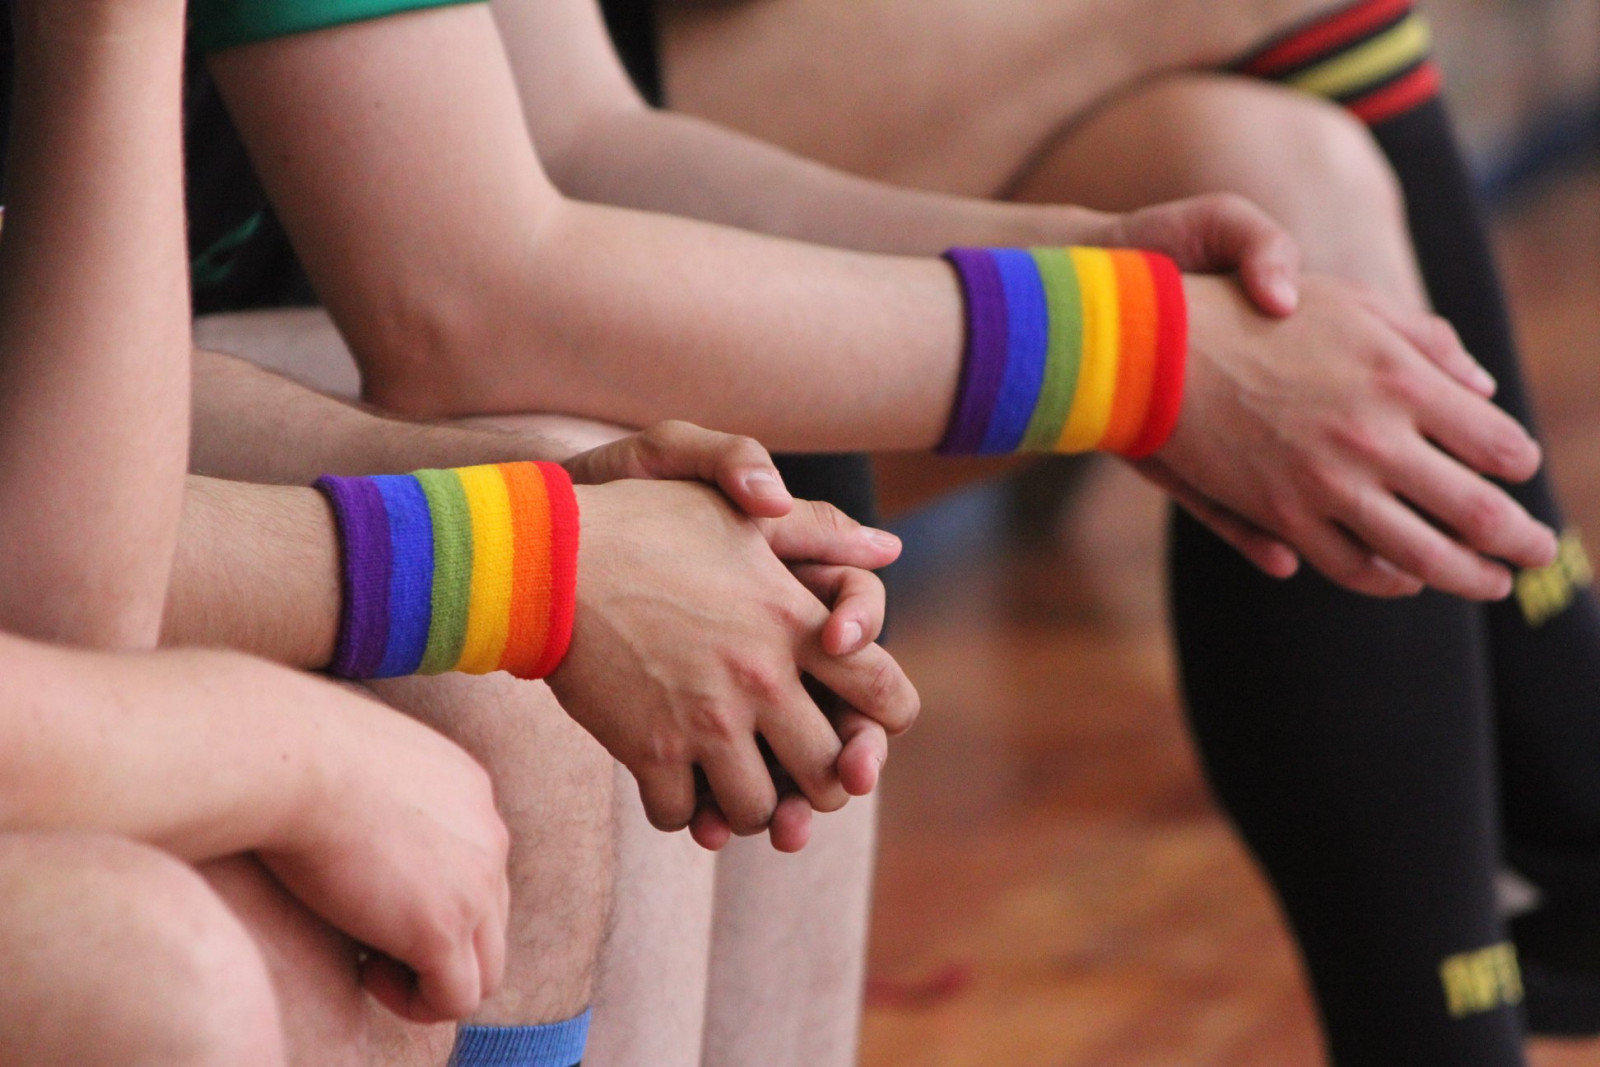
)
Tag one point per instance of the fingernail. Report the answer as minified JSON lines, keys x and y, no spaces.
{"x":1483,"y":381}
{"x":1284,"y":292}
{"x":766,"y":485}
{"x":881,"y":537}
{"x":852,"y":635}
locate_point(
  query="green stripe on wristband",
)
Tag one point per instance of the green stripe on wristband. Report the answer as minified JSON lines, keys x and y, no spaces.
{"x":452,"y":568}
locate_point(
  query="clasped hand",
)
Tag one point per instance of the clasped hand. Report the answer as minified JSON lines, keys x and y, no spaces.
{"x":709,"y":613}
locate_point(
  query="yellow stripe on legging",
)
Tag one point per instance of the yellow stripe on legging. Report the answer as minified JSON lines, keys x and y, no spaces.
{"x":1370,"y":63}
{"x":493,"y":556}
{"x":1102,"y":330}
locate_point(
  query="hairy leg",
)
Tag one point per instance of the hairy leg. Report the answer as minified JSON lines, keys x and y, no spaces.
{"x":771,"y":1003}
{"x":651,"y":998}
{"x":118,"y":954}
{"x":939,"y":94}
{"x":553,"y":782}
{"x":553,"y":787}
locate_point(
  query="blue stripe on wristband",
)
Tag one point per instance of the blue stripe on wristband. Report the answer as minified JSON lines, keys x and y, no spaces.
{"x":411,"y":583}
{"x":1028,"y":342}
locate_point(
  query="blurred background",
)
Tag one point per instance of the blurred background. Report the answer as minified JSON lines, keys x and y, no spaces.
{"x":1055,"y":886}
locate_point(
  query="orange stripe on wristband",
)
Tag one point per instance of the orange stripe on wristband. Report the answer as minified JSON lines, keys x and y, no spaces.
{"x":1136,"y":375}
{"x":1172,"y":349}
{"x":530,"y":579}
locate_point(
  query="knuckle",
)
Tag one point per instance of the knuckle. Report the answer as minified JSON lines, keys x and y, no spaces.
{"x":829,"y":518}
{"x":1397,"y":380}
{"x":763,"y":682}
{"x":1443,"y":336}
{"x":1363,"y":441}
{"x":746,"y":447}
{"x":667,"y":816}
{"x":749,"y":813}
{"x":716,"y":724}
{"x":1509,"y":450}
{"x":829,"y":798}
{"x":886,"y":694}
{"x":1429,"y":562}
{"x":1347,"y":570}
{"x":794,"y":612}
{"x":1236,"y":206}
{"x":1283,"y":511}
{"x":1482,"y":515}
{"x":664,"y":748}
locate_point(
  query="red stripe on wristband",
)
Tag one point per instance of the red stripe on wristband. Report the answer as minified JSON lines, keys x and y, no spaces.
{"x":563,"y":568}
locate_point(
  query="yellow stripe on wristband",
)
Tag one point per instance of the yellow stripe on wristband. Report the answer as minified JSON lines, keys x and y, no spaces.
{"x":493,"y":563}
{"x":1102,"y":340}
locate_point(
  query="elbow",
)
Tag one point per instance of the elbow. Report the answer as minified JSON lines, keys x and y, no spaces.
{"x":414,"y":349}
{"x":583,"y":154}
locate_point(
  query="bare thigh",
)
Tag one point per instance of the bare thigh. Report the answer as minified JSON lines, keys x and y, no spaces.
{"x":116,"y":953}
{"x":553,"y":782}
{"x":952,"y":95}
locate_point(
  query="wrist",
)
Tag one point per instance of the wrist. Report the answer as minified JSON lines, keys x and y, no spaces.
{"x":1068,"y":350}
{"x":471,"y":569}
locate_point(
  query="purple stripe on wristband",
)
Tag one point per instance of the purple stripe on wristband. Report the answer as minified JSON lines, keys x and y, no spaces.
{"x":368,"y":558}
{"x":988,"y":337}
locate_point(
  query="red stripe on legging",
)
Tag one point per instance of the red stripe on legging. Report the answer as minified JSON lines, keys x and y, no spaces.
{"x":1398,"y":97}
{"x":1324,"y":37}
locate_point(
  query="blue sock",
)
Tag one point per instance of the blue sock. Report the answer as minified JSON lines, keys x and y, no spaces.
{"x":551,"y":1045}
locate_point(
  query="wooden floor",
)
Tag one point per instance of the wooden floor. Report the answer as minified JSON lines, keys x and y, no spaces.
{"x":1055,"y":887}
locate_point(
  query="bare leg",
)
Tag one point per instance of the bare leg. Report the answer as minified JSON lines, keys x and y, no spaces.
{"x":553,"y":781}
{"x":117,"y":954}
{"x":325,"y":1014}
{"x":787,"y":962}
{"x":938,"y":94}
{"x":650,"y":1005}
{"x":1307,"y":162}
{"x":553,"y":787}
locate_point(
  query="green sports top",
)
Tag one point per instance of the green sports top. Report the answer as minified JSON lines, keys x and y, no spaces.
{"x":218,"y":24}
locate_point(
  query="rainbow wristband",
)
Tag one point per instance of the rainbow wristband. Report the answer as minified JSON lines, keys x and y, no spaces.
{"x":473,"y":570}
{"x":1068,"y":350}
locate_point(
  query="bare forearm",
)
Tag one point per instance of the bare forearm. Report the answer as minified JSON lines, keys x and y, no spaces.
{"x":257,"y":570}
{"x":681,"y":165}
{"x":244,"y":416}
{"x":601,"y":143}
{"x":93,"y":323}
{"x":634,"y":318}
{"x":510,"y":298}
{"x":201,"y":753}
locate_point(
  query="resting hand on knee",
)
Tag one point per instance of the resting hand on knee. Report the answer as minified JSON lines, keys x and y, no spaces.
{"x":1355,"y":442}
{"x":399,"y":845}
{"x":1218,"y":233}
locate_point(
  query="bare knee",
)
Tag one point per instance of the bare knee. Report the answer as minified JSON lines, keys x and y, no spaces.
{"x":127,"y":958}
{"x":1308,"y":163}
